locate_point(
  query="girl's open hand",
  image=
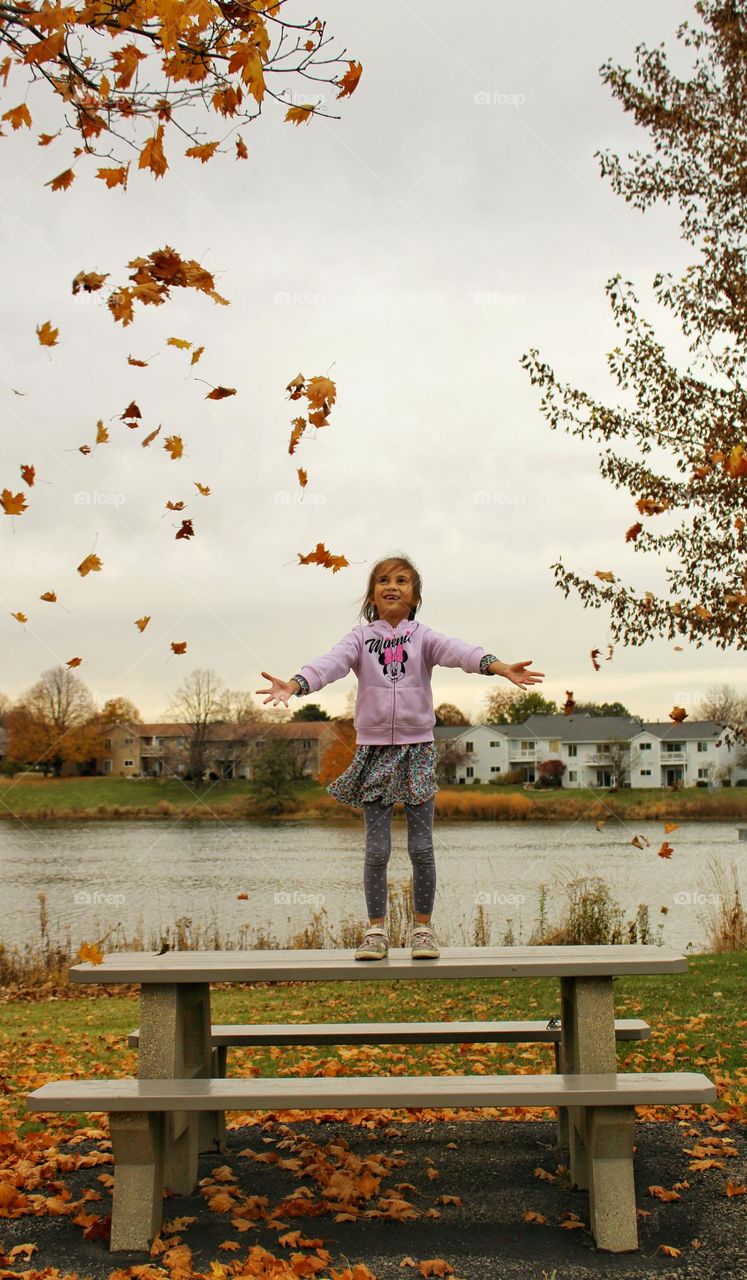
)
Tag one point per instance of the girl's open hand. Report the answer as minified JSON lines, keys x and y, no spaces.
{"x":279,"y":690}
{"x":517,"y":675}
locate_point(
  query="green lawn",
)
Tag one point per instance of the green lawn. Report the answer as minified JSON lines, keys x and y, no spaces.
{"x":118,"y":797}
{"x":697,"y":1019}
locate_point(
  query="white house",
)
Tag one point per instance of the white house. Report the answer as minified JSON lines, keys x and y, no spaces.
{"x":597,"y":751}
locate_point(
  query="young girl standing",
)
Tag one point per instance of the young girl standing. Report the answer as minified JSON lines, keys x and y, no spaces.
{"x":392,"y":656}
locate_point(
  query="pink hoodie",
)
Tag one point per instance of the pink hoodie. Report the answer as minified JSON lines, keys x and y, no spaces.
{"x":395,"y":702}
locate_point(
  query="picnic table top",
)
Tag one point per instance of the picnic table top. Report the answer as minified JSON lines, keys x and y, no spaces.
{"x":273,"y":965}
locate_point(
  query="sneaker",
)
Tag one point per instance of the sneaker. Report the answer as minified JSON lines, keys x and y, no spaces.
{"x":423,"y":945}
{"x":375,"y":944}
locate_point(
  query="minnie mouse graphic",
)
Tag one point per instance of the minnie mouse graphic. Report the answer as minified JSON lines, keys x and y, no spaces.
{"x":394,"y":659}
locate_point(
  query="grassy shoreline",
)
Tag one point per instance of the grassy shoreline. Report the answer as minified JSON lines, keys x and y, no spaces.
{"x":104,"y":799}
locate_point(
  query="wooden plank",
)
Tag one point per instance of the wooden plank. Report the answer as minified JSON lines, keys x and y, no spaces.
{"x":334,"y":1033}
{"x":335,"y":965}
{"x":272,"y":1093}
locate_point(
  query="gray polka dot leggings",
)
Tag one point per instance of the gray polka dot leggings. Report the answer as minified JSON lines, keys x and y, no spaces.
{"x":378,"y":823}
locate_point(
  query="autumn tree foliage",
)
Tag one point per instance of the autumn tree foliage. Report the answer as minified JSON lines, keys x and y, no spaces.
{"x":55,"y":722}
{"x":686,"y":427}
{"x":165,"y":66}
{"x":339,"y":754}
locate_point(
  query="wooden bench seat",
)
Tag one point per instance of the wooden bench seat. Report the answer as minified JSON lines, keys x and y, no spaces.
{"x":137,"y":1107}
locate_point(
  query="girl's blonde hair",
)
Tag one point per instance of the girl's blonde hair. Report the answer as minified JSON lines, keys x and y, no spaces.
{"x":368,"y":609}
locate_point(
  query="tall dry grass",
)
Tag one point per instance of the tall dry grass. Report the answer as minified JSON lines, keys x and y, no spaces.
{"x":725,"y":921}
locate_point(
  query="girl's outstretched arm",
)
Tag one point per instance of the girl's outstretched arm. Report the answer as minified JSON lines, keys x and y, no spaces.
{"x":514,"y":671}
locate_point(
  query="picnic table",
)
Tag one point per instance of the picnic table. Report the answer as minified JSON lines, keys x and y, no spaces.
{"x":177,"y":1079}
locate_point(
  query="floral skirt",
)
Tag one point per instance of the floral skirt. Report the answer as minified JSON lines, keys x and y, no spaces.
{"x":405,"y":772}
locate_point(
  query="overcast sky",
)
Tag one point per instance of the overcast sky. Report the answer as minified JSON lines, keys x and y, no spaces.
{"x":412,"y":250}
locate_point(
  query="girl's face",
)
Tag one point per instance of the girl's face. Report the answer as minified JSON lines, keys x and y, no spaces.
{"x":393,"y":594}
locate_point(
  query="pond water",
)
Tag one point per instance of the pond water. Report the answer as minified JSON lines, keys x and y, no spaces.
{"x":142,"y":876}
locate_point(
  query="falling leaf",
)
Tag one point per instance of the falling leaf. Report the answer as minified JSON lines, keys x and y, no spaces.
{"x":605,"y":575}
{"x":90,"y":951}
{"x":141,"y":623}
{"x":320,"y":392}
{"x":323,"y":557}
{"x":666,"y":850}
{"x":175,"y":506}
{"x":241,"y":151}
{"x":179,"y":646}
{"x":46,"y":334}
{"x":651,"y":506}
{"x":18,"y":116}
{"x":242,"y":897}
{"x":595,"y":653}
{"x":74,"y":662}
{"x":670,"y":826}
{"x":13,"y":504}
{"x":678,"y":714}
{"x":295,"y":386}
{"x":174,"y":445}
{"x":102,"y":435}
{"x":152,"y":156}
{"x":21,"y":617}
{"x":196,"y":354}
{"x":632,"y":533}
{"x":131,"y":411}
{"x":640,"y":842}
{"x":140,"y":364}
{"x":90,"y":281}
{"x":182,"y":343}
{"x":62,"y":181}
{"x":204,"y":489}
{"x":28,"y":473}
{"x":569,"y":703}
{"x":114,"y":177}
{"x":186,"y":530}
{"x":152,"y":436}
{"x":302,"y":478}
{"x":219,"y":393}
{"x":49,"y":595}
{"x":84,"y":448}
{"x":91,"y":563}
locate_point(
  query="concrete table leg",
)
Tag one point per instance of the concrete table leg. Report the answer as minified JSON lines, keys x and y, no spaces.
{"x":175,"y":1044}
{"x":562,"y":1121}
{"x":137,"y":1205}
{"x":587,"y":1044}
{"x":609,"y":1143}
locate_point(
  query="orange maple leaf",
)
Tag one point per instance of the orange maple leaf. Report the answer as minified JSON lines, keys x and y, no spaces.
{"x":152,"y":436}
{"x":114,"y":177}
{"x":678,"y":714}
{"x":102,"y":435}
{"x":302,"y":478}
{"x":131,"y":411}
{"x":196,"y":354}
{"x":50,"y":596}
{"x":141,"y":623}
{"x":605,"y":575}
{"x":320,"y":392}
{"x":74,"y":662}
{"x":179,"y":646}
{"x":13,"y":504}
{"x":182,"y":343}
{"x":594,"y":655}
{"x":349,"y":82}
{"x":297,"y":115}
{"x":320,"y":555}
{"x":21,"y":617}
{"x":140,"y":364}
{"x":186,"y":530}
{"x":90,"y":951}
{"x":62,"y":181}
{"x":90,"y":564}
{"x":219,"y":393}
{"x":174,"y":445}
{"x":47,"y":334}
{"x":204,"y":151}
{"x":174,"y":506}
{"x":632,"y":533}
{"x":203,"y":488}
{"x":152,"y":156}
{"x":90,"y":281}
{"x":18,"y":116}
{"x":28,"y":473}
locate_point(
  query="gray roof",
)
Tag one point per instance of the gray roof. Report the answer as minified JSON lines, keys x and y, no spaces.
{"x":586,"y":728}
{"x":685,"y":731}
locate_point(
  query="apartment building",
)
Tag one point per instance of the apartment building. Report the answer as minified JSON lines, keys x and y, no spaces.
{"x":162,"y":750}
{"x":598,"y":751}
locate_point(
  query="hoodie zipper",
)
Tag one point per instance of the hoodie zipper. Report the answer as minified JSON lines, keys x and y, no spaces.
{"x":394,"y":709}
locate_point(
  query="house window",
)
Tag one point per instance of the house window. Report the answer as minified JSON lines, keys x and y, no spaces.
{"x":572,"y":775}
{"x":470,"y":771}
{"x":526,"y":746}
{"x":554,"y":744}
{"x":306,"y":743}
{"x":702,"y":773}
{"x":645,"y":773}
{"x":495,"y":743}
{"x":572,"y":749}
{"x":703,"y":746}
{"x":645,"y":746}
{"x":128,"y":763}
{"x":672,"y":746}
{"x":128,"y":742}
{"x":469,"y":746}
{"x":108,"y":744}
{"x":107,"y":766}
{"x":495,"y":768}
